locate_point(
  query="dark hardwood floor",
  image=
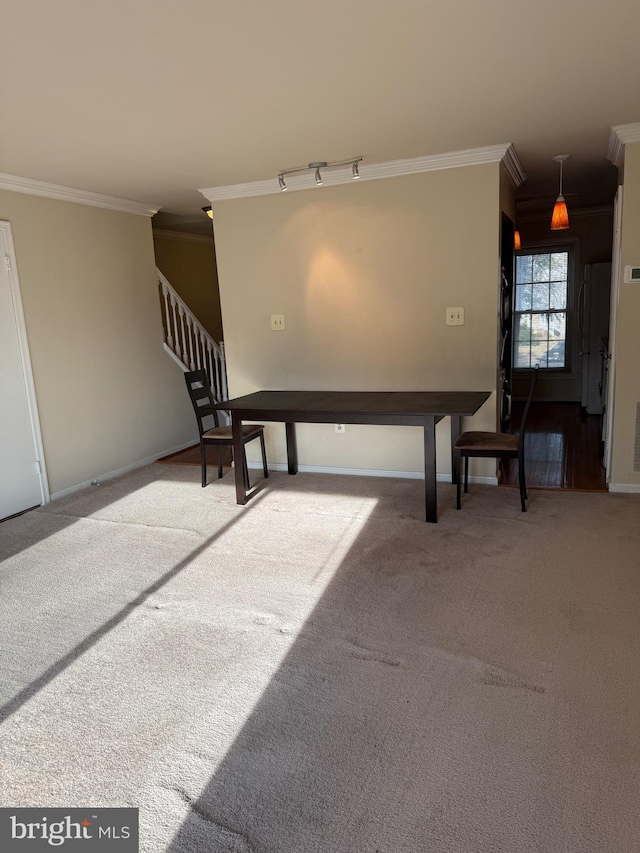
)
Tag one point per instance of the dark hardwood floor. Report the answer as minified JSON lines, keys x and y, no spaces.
{"x":563,"y":450}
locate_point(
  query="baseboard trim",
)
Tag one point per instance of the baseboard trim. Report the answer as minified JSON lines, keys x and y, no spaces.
{"x":625,"y":488}
{"x":109,"y":475}
{"x":370,"y":472}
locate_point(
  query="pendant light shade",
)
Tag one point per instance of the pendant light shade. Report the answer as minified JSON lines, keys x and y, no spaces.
{"x":560,"y":216}
{"x":517,"y":243}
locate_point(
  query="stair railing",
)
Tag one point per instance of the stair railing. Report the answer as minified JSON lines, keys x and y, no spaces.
{"x":188,"y":342}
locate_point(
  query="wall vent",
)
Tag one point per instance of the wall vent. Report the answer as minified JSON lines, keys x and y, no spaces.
{"x":636,"y":454}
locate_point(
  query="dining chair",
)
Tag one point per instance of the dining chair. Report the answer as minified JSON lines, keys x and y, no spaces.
{"x":203,"y":403}
{"x":496,"y":445}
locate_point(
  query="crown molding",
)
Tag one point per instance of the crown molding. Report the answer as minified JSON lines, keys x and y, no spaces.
{"x":374,"y":171}
{"x":15,"y":184}
{"x":619,"y":136}
{"x":512,"y":165}
{"x":181,"y":235}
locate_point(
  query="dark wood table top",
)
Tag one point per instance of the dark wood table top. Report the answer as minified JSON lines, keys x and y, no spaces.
{"x":368,"y":403}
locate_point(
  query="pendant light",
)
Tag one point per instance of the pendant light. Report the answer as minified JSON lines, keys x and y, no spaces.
{"x":517,"y":242}
{"x":560,"y":216}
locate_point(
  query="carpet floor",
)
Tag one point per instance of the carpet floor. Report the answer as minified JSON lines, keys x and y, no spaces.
{"x":321,"y":671}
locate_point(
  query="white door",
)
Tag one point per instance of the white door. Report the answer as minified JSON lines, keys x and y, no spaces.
{"x":21,"y":474}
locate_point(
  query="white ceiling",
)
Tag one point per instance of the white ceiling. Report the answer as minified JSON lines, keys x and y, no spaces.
{"x":151,"y":99}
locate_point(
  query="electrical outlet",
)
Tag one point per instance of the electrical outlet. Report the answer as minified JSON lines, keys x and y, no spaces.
{"x":455,"y":316}
{"x":341,"y":428}
{"x":277,"y":322}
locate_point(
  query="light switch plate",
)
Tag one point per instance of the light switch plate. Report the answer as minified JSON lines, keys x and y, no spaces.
{"x":277,"y":322}
{"x":455,"y":316}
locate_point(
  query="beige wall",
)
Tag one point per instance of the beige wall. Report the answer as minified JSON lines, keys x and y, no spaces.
{"x":507,"y":194}
{"x":627,"y":379}
{"x":107,"y":393}
{"x":190,"y":268}
{"x":363,"y":274}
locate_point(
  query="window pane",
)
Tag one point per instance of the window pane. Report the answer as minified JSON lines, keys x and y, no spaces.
{"x":541,"y":267}
{"x":540,"y":297}
{"x":556,"y":354}
{"x":540,"y":360}
{"x":523,"y":327}
{"x":559,"y":265}
{"x":540,"y":326}
{"x":557,"y":326}
{"x":522,"y":355}
{"x":523,"y":297}
{"x":558,"y":294}
{"x":523,"y":269}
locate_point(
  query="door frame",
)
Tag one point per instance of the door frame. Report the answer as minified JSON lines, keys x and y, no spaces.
{"x":613,"y":329}
{"x":25,"y":356}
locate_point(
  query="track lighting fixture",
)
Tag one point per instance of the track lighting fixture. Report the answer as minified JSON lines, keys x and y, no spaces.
{"x":316,"y":167}
{"x":208,"y":211}
{"x":560,"y":216}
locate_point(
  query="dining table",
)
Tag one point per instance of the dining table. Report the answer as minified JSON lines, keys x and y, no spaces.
{"x":381,"y":408}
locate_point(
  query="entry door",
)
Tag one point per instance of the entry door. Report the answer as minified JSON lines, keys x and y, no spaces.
{"x":21,"y":485}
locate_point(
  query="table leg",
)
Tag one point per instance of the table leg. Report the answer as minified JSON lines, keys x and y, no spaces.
{"x":456,"y":429}
{"x":430,"y":494}
{"x":238,"y":458}
{"x":292,"y":448}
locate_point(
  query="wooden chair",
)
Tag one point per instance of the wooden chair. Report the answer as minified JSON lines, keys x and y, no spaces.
{"x":203,"y":403}
{"x":496,"y":445}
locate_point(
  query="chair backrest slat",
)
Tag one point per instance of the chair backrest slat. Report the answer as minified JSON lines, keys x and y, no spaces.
{"x":523,"y":422}
{"x":201,"y":396}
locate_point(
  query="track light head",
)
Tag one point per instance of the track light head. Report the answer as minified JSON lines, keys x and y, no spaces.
{"x":208,"y":211}
{"x":315,"y":167}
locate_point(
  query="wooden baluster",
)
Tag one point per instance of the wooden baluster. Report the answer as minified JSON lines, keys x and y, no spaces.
{"x":198,"y":353}
{"x":184,"y":336}
{"x":192,"y":365}
{"x":225,"y":392}
{"x":167,"y":316}
{"x":216,"y":371}
{"x":212,"y":376}
{"x":175,"y":328}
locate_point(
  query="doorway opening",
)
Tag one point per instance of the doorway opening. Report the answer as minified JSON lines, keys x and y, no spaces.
{"x":560,"y":309}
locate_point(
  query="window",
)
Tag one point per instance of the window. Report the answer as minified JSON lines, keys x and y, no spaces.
{"x":540,"y":327}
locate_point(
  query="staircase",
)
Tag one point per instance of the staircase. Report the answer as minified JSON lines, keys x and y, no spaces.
{"x":188,"y":342}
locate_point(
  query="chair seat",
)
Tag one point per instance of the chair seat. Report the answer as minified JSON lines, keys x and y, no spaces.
{"x":225,"y":433}
{"x":498,"y":441}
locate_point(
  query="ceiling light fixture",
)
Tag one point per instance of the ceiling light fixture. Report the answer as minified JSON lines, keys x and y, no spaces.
{"x":316,"y":166}
{"x":208,"y":211}
{"x":517,"y":242}
{"x":560,"y":216}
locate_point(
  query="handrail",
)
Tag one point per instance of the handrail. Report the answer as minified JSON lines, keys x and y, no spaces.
{"x":188,"y":342}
